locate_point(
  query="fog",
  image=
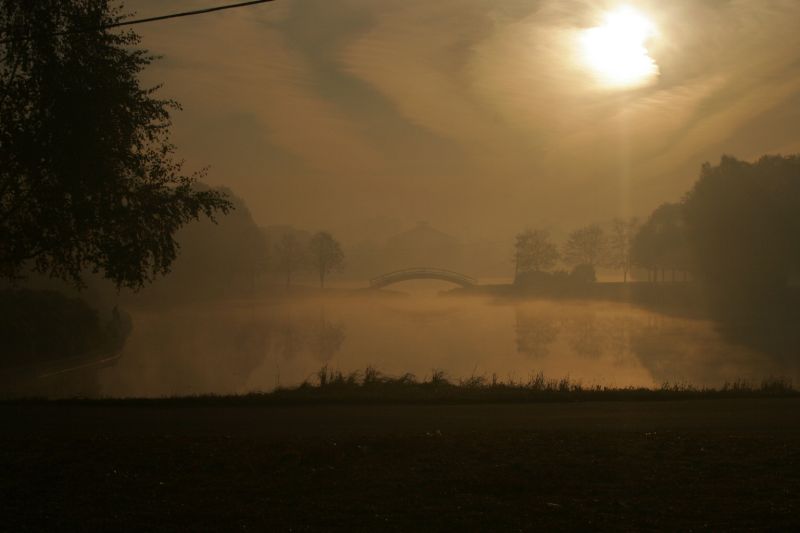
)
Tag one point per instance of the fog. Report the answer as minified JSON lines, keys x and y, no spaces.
{"x":255,"y":345}
{"x":400,"y":265}
{"x":365,"y":117}
{"x":603,"y":234}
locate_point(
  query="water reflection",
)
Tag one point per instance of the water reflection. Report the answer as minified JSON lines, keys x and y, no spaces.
{"x":535,"y":333}
{"x":327,"y":338}
{"x":586,"y":335}
{"x":241,"y":347}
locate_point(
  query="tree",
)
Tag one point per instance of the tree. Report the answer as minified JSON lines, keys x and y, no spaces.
{"x":743,"y":223}
{"x":583,"y":273}
{"x":585,"y":246}
{"x":88,"y":178}
{"x":660,"y":244}
{"x":289,"y":255}
{"x":620,"y":244}
{"x":534,"y":251}
{"x":222,"y":259}
{"x":326,"y":254}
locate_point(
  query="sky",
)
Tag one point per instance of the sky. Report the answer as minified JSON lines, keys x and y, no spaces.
{"x":478,"y":116}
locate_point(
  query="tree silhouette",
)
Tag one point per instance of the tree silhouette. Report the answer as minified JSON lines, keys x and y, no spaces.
{"x":743,"y":222}
{"x":585,"y":246}
{"x":661,"y":241}
{"x":620,"y":244}
{"x":534,"y":251}
{"x":290,"y":255}
{"x":217,"y":259}
{"x":87,"y":174}
{"x":326,"y":254}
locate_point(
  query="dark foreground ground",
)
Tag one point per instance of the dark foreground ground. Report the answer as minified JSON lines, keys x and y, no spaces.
{"x":668,"y":465}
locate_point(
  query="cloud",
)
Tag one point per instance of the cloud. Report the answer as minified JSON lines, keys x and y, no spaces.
{"x":400,"y":107}
{"x":255,"y":72}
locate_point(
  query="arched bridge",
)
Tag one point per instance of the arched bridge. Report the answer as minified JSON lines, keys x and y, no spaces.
{"x":421,"y":273}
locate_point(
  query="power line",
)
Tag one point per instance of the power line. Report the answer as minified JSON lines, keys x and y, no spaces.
{"x":145,"y":20}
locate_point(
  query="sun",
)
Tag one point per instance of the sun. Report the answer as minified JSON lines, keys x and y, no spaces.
{"x":616,"y":51}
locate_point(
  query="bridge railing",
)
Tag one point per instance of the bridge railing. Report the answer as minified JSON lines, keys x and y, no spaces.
{"x":422,"y":272}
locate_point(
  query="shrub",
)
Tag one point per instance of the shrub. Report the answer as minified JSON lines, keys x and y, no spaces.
{"x":40,"y":326}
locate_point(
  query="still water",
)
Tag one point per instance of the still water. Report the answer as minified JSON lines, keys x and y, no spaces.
{"x":246,"y":346}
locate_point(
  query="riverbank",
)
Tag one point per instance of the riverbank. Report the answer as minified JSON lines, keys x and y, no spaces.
{"x":716,"y":464}
{"x":684,"y":299}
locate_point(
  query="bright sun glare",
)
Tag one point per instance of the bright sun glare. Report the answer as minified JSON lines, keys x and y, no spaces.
{"x":616,"y":51}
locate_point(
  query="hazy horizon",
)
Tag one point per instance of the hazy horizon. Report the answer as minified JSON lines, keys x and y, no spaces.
{"x":474,"y":116}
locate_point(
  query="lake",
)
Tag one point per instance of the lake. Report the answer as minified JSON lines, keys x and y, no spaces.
{"x":256,"y":345}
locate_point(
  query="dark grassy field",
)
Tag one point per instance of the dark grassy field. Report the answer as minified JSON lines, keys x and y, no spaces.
{"x":712,"y":464}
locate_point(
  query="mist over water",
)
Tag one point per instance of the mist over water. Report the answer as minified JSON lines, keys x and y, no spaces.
{"x":256,"y":345}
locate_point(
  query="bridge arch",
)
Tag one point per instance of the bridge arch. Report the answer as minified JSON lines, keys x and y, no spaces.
{"x":421,"y":273}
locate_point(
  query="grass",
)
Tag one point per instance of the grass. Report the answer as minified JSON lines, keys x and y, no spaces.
{"x":374,"y":386}
{"x":371,"y":386}
{"x":364,"y":451}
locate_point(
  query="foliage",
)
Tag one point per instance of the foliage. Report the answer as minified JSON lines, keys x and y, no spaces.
{"x":586,"y":245}
{"x":557,"y":283}
{"x":620,"y":244}
{"x":39,"y":326}
{"x":744,"y":222}
{"x":216,"y":259}
{"x":661,"y":242}
{"x":326,"y":254}
{"x":583,"y":273}
{"x":290,"y":255}
{"x":88,"y":178}
{"x":374,"y":387}
{"x":534,"y":251}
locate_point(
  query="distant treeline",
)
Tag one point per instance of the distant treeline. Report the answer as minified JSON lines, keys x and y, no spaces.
{"x":235,"y":257}
{"x":736,"y":231}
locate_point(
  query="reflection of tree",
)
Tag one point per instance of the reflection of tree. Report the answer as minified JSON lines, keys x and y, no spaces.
{"x":586,"y":336}
{"x":618,"y":332}
{"x":535,"y":333}
{"x":289,"y":340}
{"x":250,"y":347}
{"x":676,"y":350}
{"x":320,"y":338}
{"x":650,"y":344}
{"x":326,"y":339}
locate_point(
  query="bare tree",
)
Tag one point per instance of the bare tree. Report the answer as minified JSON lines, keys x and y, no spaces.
{"x":326,"y":254}
{"x":534,"y":251}
{"x":586,"y":246}
{"x":289,"y":255}
{"x":620,"y":244}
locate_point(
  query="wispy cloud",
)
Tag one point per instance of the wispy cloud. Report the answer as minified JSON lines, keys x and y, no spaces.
{"x":388,"y":106}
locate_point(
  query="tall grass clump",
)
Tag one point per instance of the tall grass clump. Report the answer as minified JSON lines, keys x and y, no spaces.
{"x":371,"y":385}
